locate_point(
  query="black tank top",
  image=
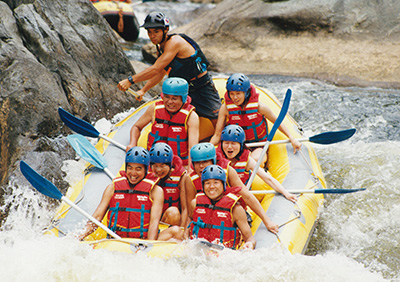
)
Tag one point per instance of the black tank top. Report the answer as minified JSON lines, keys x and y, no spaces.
{"x":190,"y":67}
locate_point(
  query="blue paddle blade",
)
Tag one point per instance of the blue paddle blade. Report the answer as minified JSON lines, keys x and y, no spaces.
{"x":87,"y":151}
{"x":78,"y":125}
{"x":332,"y":136}
{"x":41,"y":184}
{"x":337,"y":191}
{"x":281,"y":116}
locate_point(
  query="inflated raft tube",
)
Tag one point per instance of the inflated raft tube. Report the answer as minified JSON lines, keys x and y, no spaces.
{"x":296,"y":172}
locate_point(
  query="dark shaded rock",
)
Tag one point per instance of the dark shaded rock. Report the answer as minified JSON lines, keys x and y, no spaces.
{"x":54,"y":53}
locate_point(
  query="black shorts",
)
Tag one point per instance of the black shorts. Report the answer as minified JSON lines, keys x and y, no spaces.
{"x":205,"y":97}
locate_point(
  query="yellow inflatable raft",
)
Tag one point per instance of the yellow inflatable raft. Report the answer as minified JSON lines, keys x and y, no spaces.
{"x":296,"y":172}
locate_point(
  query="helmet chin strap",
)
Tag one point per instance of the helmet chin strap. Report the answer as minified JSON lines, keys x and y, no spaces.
{"x":165,"y":32}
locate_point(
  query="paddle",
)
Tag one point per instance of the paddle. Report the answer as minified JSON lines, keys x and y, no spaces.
{"x":82,"y":127}
{"x":133,"y":92}
{"x":313,"y":191}
{"x":47,"y":188}
{"x":271,"y":134}
{"x":325,"y":138}
{"x":88,"y":152}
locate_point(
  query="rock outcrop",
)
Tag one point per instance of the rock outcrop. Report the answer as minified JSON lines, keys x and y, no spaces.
{"x":54,"y":53}
{"x":345,"y":42}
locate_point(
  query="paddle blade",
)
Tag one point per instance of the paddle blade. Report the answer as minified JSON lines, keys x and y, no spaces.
{"x":281,"y":116}
{"x":41,"y":184}
{"x":332,"y":136}
{"x":78,"y":125}
{"x":337,"y":191}
{"x":87,"y":151}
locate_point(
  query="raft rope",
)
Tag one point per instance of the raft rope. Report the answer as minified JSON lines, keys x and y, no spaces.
{"x":297,"y":213}
{"x":315,"y":177}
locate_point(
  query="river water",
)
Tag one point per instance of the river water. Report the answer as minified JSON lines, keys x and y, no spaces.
{"x":356,"y":238}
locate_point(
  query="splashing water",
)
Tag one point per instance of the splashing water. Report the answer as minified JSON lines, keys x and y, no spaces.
{"x":356,"y":238}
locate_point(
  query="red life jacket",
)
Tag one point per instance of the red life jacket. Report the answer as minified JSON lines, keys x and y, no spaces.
{"x":253,"y":123}
{"x":172,"y":193}
{"x":196,"y":179}
{"x":129,"y":208}
{"x":171,"y":130}
{"x":215,"y":222}
{"x":240,"y":164}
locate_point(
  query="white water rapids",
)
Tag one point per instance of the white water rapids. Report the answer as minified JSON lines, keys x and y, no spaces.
{"x":357,"y":237}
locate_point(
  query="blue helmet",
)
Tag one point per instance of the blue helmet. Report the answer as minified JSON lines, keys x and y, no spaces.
{"x":214,"y":172}
{"x":176,"y":86}
{"x":234,"y":133}
{"x":138,"y":155}
{"x":238,"y":82}
{"x":161,"y":153}
{"x":203,"y":152}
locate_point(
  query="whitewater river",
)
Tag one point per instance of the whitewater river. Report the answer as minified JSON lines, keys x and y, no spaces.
{"x":357,"y":237}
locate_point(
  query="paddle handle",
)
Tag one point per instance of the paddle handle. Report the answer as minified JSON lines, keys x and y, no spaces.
{"x":91,"y":218}
{"x":259,"y":144}
{"x":131,"y":91}
{"x":119,"y":145}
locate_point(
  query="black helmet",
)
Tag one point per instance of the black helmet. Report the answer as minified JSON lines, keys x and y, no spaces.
{"x":155,"y":20}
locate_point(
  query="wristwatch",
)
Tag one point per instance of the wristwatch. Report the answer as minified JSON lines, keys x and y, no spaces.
{"x":131,"y":80}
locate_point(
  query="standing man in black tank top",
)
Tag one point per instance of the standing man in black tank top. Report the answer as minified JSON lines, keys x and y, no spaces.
{"x":178,"y":56}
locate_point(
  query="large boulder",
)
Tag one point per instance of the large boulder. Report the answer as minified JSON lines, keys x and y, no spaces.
{"x":354,"y":42}
{"x":54,"y":53}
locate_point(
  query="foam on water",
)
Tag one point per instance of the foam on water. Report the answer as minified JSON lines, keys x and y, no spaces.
{"x":356,"y":238}
{"x":30,"y":256}
{"x":364,"y":225}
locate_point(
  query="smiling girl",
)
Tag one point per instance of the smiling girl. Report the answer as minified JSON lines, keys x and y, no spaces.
{"x":243,"y":108}
{"x":169,"y":168}
{"x":233,"y":148}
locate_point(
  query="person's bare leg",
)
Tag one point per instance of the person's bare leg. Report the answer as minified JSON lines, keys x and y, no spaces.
{"x":172,"y":216}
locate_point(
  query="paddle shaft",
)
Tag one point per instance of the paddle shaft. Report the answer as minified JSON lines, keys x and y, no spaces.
{"x":91,"y":218}
{"x":277,"y":123}
{"x":109,"y":173}
{"x":324,"y":138}
{"x":254,"y":173}
{"x":119,"y":145}
{"x":263,"y":192}
{"x":313,"y":191}
{"x":259,"y":144}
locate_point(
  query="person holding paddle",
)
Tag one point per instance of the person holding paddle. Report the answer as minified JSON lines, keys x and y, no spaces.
{"x":178,"y":56}
{"x":203,"y":155}
{"x":243,"y":108}
{"x":173,"y":120}
{"x":134,"y":201}
{"x":217,"y":215}
{"x":168,"y":167}
{"x":233,"y":148}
